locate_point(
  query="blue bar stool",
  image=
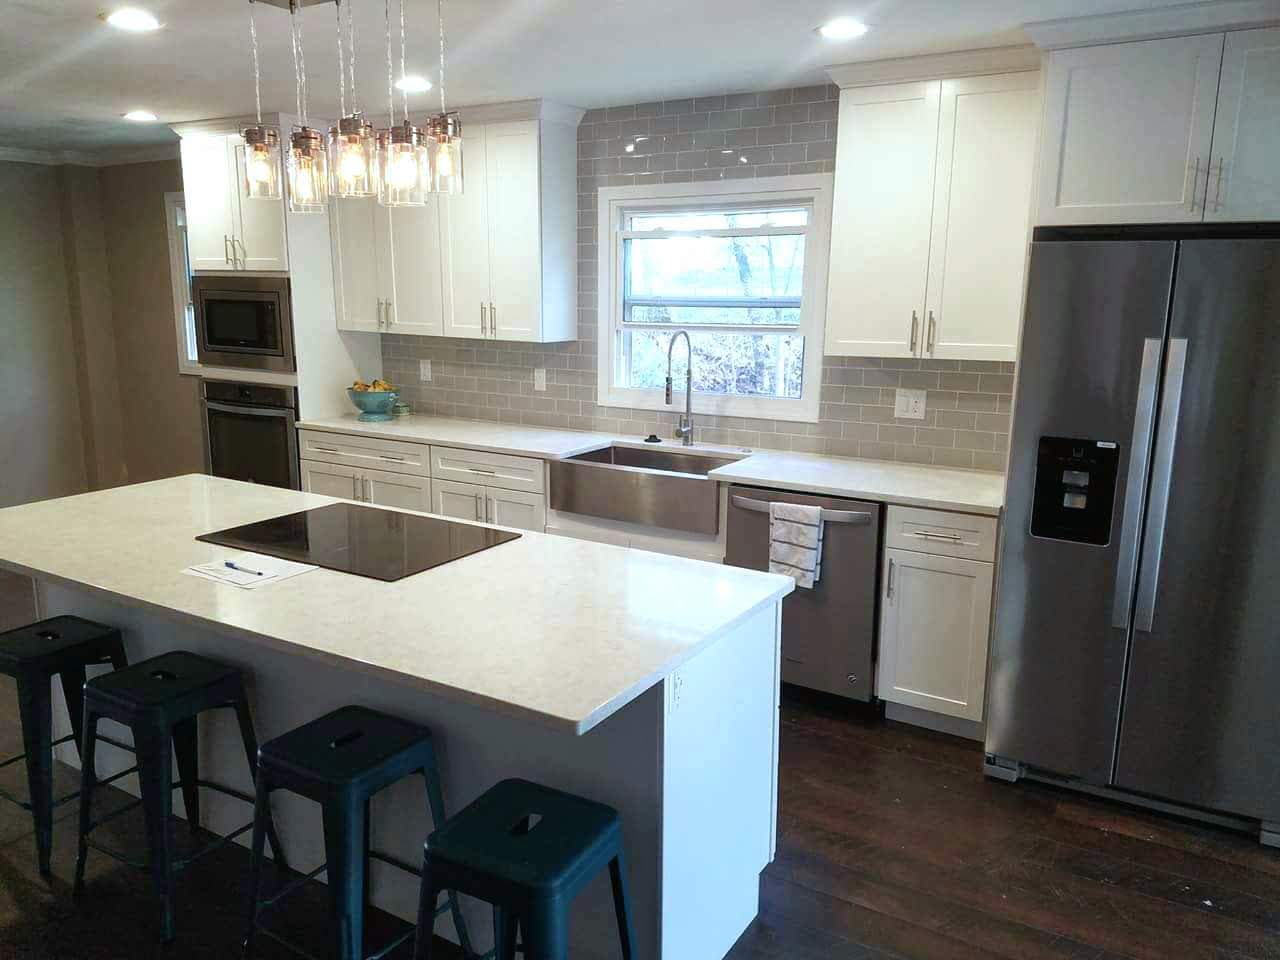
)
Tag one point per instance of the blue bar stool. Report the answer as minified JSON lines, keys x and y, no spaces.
{"x":33,"y":655}
{"x":340,"y":760}
{"x":528,"y":850}
{"x":159,"y":700}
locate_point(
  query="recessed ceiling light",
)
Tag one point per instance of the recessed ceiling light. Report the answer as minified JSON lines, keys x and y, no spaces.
{"x":843,"y":28}
{"x":413,"y":83}
{"x":140,"y":116}
{"x":133,"y":19}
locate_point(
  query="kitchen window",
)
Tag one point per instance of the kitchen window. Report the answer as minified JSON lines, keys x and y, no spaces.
{"x":741,"y":266}
{"x":184,"y":315}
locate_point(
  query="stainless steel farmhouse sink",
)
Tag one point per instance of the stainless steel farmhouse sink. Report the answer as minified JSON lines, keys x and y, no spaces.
{"x":659,"y":487}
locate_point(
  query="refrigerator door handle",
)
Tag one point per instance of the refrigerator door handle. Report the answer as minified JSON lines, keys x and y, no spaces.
{"x":1135,"y":488}
{"x":1175,"y":365}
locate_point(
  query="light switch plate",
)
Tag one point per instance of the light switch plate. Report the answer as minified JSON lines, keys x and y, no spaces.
{"x":909,"y":404}
{"x":539,"y":378}
{"x":424,"y":371}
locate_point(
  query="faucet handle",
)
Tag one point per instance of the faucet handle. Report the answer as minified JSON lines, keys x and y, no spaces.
{"x":668,"y":400}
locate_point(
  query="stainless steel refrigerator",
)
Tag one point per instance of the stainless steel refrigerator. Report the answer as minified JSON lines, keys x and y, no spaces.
{"x":1137,"y":636}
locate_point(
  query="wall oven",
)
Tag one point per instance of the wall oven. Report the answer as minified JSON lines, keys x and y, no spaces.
{"x":244,"y":322}
{"x":250,"y":433}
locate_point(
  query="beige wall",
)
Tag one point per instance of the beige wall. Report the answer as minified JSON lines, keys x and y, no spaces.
{"x":41,"y":442}
{"x":162,"y":433}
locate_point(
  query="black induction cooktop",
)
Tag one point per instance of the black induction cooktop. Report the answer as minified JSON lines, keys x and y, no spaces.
{"x":366,"y":541}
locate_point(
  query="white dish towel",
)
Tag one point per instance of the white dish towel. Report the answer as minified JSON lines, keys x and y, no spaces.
{"x":795,"y":542}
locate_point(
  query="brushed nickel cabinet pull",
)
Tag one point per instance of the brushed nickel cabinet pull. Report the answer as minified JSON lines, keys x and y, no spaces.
{"x":933,"y":329}
{"x":889,"y":592}
{"x":493,"y":320}
{"x":1195,"y":184}
{"x":484,"y":322}
{"x":915,"y":325}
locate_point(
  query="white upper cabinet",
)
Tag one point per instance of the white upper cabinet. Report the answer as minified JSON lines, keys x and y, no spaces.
{"x":885,"y":154}
{"x":1244,"y":174}
{"x":981,"y":212}
{"x":1127,"y":131}
{"x":224,"y":230}
{"x":353,"y":236}
{"x":931,"y":213}
{"x":415,"y":301}
{"x":509,"y":242}
{"x":464,"y":234}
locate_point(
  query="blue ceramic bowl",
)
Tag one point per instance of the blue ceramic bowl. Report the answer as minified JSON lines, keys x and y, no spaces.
{"x":374,"y":405}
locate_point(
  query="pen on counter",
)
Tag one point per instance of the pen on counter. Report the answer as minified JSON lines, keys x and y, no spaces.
{"x":231,"y":565}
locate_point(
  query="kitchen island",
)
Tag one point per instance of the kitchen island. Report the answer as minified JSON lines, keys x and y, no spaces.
{"x":647,"y":682}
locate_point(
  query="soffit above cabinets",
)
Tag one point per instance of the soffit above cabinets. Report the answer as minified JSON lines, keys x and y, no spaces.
{"x":941,"y":66}
{"x":1155,"y":23}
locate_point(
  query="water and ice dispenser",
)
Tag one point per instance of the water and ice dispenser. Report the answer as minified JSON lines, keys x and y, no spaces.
{"x":1075,"y":489}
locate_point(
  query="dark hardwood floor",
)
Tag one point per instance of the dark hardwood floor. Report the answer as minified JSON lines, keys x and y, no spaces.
{"x":891,"y":844}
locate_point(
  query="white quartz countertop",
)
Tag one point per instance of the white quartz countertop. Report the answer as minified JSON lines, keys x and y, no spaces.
{"x":540,"y":442}
{"x":940,"y":488}
{"x":562,"y":631}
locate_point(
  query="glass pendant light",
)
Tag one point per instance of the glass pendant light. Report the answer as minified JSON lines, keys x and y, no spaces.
{"x":261,"y":143}
{"x":307,"y":167}
{"x":445,"y":134}
{"x":352,"y":148}
{"x":404,"y":163}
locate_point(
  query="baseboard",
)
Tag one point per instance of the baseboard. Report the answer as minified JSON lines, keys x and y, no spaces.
{"x":940,"y":722}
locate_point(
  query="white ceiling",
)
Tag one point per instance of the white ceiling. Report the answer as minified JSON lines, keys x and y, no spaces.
{"x":66,"y":77}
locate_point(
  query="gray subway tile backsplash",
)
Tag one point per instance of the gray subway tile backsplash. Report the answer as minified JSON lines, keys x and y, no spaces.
{"x":791,"y":131}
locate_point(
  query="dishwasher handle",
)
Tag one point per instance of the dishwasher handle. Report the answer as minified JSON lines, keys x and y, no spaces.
{"x":854,"y":517}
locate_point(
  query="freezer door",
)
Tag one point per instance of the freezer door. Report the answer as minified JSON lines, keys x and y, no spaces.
{"x":828,"y":633}
{"x":1083,"y":422}
{"x":1201,"y":723}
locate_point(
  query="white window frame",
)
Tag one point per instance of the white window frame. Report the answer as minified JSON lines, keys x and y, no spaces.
{"x":175,"y":215}
{"x":616,"y":203}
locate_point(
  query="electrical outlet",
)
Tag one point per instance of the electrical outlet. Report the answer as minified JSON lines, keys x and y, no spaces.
{"x":424,"y":371}
{"x":540,"y":379}
{"x":909,"y":404}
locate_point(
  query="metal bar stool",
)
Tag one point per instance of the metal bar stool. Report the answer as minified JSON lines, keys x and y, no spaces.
{"x":159,"y":700}
{"x":33,"y":655}
{"x":528,"y":850}
{"x":340,"y":760}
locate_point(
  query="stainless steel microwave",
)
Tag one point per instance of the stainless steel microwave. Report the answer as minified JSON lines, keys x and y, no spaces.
{"x":244,"y":322}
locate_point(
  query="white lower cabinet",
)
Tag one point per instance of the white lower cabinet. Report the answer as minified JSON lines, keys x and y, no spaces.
{"x":378,"y":487}
{"x":507,"y":508}
{"x":935,"y":623}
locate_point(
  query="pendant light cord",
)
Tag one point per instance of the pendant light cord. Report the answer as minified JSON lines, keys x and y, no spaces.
{"x":342,"y":66}
{"x":440,"y":20}
{"x":299,"y":62}
{"x":391,"y":88}
{"x":351,"y":59}
{"x":404,"y":90}
{"x":257,"y":79}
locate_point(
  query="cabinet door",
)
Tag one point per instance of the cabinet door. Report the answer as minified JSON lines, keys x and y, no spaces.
{"x":1244,"y":176}
{"x":206,"y":188}
{"x":464,"y":501}
{"x":883,"y":200}
{"x":355,"y":263}
{"x":1127,"y":128}
{"x":515,"y":231}
{"x":396,"y":490}
{"x":981,"y":210}
{"x":513,"y":508}
{"x":260,"y":231}
{"x":416,"y":303}
{"x":330,"y":480}
{"x":934,"y":624}
{"x":464,"y":237}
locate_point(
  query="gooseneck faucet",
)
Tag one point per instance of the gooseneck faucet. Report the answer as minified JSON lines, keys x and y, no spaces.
{"x":685,"y":430}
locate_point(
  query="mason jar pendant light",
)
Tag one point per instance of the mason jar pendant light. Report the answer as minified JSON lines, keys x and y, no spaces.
{"x":404,"y":163}
{"x":261,"y":143}
{"x":307,"y":167}
{"x":444,"y":133}
{"x":353,"y":155}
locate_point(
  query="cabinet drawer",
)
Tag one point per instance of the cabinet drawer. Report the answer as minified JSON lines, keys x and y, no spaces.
{"x":490,"y":469}
{"x":943,"y":534}
{"x":394,"y":456}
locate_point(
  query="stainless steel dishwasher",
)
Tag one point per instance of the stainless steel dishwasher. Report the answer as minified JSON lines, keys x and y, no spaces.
{"x":828,"y":633}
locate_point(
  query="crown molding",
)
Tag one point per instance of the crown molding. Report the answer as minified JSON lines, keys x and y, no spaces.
{"x":109,"y":157}
{"x":938,"y":66}
{"x":1190,"y":18}
{"x":521,"y":110}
